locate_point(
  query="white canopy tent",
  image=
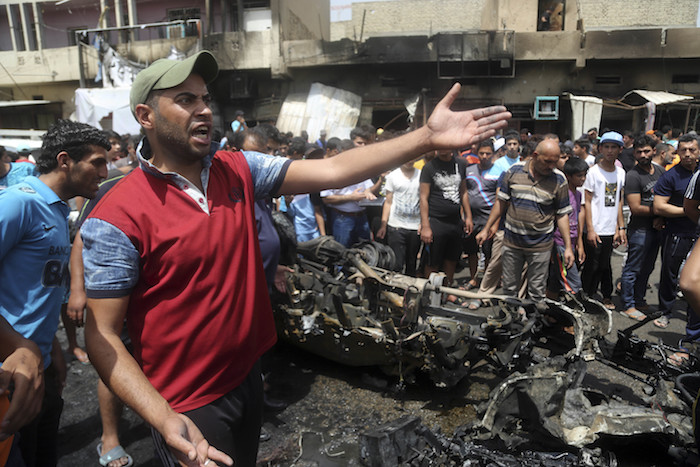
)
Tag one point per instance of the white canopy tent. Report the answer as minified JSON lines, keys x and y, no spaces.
{"x":94,"y":104}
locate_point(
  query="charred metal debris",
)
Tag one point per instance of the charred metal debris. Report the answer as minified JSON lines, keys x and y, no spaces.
{"x":347,"y":305}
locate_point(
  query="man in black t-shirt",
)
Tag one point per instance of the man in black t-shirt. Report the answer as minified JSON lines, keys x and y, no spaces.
{"x":644,"y":229}
{"x":627,"y":157}
{"x":443,"y":198}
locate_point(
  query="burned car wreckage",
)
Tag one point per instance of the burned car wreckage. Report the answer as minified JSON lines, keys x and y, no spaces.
{"x":347,"y":305}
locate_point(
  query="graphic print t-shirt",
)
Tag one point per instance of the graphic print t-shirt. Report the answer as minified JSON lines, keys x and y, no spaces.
{"x":444,"y":178}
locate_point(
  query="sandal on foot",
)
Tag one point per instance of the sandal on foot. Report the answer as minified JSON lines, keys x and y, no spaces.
{"x":459,"y":301}
{"x":471,"y":286}
{"x":661,"y":322}
{"x":81,"y":356}
{"x":609,"y":304}
{"x":635,"y":315}
{"x":113,"y":455}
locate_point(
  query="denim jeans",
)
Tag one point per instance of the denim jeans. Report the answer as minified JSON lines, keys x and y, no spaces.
{"x":643,"y":246}
{"x":348,"y":230}
{"x":675,"y":250}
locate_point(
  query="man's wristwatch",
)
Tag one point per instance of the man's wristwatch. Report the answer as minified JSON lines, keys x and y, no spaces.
{"x":622,"y":228}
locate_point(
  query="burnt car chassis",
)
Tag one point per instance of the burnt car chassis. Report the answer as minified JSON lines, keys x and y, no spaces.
{"x":340,"y":307}
{"x":346,"y":305}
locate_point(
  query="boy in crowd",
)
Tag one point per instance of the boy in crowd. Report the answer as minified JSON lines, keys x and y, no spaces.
{"x":560,"y":277}
{"x":512,"y":146}
{"x":604,"y":222}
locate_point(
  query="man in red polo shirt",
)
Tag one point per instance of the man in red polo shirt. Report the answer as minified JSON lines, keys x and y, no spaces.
{"x":173,"y":248}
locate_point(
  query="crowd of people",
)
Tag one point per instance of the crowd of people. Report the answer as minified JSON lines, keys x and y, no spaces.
{"x":175,"y":250}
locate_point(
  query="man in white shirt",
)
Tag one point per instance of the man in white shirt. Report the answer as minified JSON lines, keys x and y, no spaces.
{"x":604,"y":222}
{"x":401,"y":216}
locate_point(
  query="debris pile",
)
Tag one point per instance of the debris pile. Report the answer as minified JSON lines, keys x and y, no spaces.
{"x":342,"y":308}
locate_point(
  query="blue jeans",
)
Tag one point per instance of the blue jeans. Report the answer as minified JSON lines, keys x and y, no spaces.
{"x":348,"y":229}
{"x":643,"y":246}
{"x":674,"y":252}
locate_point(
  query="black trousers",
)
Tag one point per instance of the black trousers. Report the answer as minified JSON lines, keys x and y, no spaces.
{"x":231,"y":423}
{"x":38,"y":441}
{"x":405,"y":244}
{"x":596,"y":268}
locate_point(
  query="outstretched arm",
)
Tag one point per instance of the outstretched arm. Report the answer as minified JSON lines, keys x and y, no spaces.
{"x":121,"y":373}
{"x":446,"y":129}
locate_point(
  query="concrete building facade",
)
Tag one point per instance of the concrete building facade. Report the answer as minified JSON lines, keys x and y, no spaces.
{"x":385,"y":52}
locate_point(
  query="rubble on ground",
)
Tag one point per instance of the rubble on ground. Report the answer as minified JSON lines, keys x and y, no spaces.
{"x":347,"y":305}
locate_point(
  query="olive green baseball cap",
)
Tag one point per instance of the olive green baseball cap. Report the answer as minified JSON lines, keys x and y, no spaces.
{"x":166,"y":74}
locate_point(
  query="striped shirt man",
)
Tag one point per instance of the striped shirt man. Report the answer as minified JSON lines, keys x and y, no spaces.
{"x":534,"y":206}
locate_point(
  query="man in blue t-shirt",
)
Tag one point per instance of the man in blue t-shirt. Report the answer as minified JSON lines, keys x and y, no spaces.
{"x":680,"y":232}
{"x":11,"y":173}
{"x":34,"y":255}
{"x":512,"y":154}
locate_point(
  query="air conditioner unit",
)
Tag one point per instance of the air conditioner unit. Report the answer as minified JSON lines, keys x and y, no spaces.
{"x":546,"y":108}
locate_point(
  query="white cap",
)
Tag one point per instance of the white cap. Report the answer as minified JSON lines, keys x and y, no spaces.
{"x":498,"y":143}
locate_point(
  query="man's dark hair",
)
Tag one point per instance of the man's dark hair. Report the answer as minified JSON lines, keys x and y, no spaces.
{"x":487,"y":143}
{"x":365,"y":132}
{"x":688,"y":138}
{"x":333,"y":144}
{"x":296,"y":146}
{"x":575,"y":165}
{"x":346,"y":144}
{"x":512,"y":134}
{"x":271,"y":131}
{"x":564,"y":149}
{"x":644,"y":140}
{"x":258,"y":136}
{"x":676,"y":132}
{"x":628,"y":133}
{"x":528,"y":148}
{"x":585,"y":143}
{"x":665,"y":129}
{"x":112,"y":134}
{"x":658,"y":134}
{"x":2,"y":150}
{"x":238,"y":113}
{"x":77,"y":139}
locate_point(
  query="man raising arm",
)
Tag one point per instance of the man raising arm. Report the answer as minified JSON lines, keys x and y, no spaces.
{"x":197,"y":309}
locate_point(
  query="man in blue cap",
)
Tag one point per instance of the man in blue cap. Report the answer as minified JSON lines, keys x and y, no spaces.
{"x":605,"y":226}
